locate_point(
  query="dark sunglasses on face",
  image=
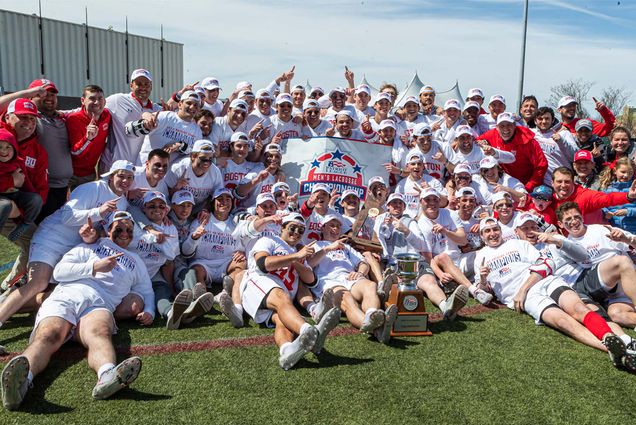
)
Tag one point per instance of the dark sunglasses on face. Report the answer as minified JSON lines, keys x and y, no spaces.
{"x":205,"y":160}
{"x":296,"y":229}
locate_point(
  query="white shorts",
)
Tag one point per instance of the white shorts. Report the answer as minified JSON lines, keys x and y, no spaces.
{"x":344,"y":282}
{"x":254,"y":288}
{"x":49,"y":252}
{"x":466,"y":264}
{"x":214,"y":273}
{"x":71,"y":304}
{"x":538,"y":297}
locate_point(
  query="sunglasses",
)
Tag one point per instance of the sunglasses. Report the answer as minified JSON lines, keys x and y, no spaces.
{"x":462,"y":177}
{"x":312,"y":112}
{"x":205,"y":160}
{"x":504,"y":205}
{"x":296,"y":229}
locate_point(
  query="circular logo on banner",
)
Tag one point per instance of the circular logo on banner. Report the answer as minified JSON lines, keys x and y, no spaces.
{"x":410,"y":302}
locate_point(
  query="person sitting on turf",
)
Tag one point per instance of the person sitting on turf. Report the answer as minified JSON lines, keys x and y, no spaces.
{"x":341,"y":272}
{"x":93,"y":279}
{"x":275,"y":271}
{"x":523,"y":280}
{"x":399,"y":234}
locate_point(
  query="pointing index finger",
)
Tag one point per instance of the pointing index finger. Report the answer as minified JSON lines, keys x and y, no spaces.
{"x":115,"y":256}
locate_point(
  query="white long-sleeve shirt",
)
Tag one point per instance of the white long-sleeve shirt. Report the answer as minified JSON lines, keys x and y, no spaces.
{"x":170,"y":129}
{"x":129,"y":275}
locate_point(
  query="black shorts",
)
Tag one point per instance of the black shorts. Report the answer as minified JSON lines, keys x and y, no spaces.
{"x":589,"y":287}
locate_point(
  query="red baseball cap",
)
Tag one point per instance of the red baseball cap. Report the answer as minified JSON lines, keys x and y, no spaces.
{"x":23,"y":106}
{"x":43,"y":82}
{"x":583,"y":155}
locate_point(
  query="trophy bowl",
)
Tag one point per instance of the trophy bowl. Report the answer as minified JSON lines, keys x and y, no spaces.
{"x":407,"y":270}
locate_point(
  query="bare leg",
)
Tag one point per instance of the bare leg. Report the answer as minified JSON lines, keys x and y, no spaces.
{"x":236,"y":289}
{"x":619,"y":269}
{"x":364,"y":292}
{"x":375,"y":271}
{"x":345,"y":301}
{"x":49,"y":337}
{"x":39,"y":277}
{"x":130,"y":307}
{"x":280,"y":302}
{"x":560,"y":320}
{"x":432,"y":290}
{"x":447,"y":265}
{"x":281,"y":333}
{"x":623,"y":314}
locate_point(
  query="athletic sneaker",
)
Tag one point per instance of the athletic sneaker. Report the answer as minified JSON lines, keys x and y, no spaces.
{"x":198,"y":308}
{"x":325,"y":304}
{"x":228,"y":284}
{"x":299,"y":347}
{"x":181,"y":302}
{"x":329,"y":321}
{"x":227,"y":308}
{"x":198,"y":290}
{"x":455,"y":302}
{"x":482,"y":296}
{"x":384,"y":286}
{"x":372,"y":320}
{"x":117,"y":378}
{"x":629,"y":360}
{"x":383,"y":333}
{"x":616,"y":348}
{"x":14,"y":382}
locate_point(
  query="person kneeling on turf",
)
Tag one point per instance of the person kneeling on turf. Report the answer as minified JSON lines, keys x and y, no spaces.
{"x":275,"y":269}
{"x":93,"y":279}
{"x":341,"y":273}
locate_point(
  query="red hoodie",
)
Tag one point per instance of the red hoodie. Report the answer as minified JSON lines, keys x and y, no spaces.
{"x":590,"y":202}
{"x":531,"y":165}
{"x":7,"y":168}
{"x":36,"y":161}
{"x":85,"y":153}
{"x":601,"y":129}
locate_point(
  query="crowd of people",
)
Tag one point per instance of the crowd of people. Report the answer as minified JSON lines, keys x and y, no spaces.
{"x":128,"y":209}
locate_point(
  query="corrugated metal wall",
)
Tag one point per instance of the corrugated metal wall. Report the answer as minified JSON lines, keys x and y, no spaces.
{"x":65,"y":56}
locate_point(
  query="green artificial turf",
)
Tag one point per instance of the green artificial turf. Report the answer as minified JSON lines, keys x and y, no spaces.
{"x":496,"y":367}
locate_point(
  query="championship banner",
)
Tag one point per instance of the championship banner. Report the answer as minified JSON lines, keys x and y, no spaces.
{"x":341,"y":164}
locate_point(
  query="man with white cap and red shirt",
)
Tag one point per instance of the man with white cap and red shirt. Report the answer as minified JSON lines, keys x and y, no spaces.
{"x":175,"y":132}
{"x":530,"y":164}
{"x":567,"y":109}
{"x":52,"y":135}
{"x":276,"y":269}
{"x":92,"y":202}
{"x":124,"y":108}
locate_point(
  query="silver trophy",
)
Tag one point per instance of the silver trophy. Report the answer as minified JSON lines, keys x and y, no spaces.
{"x":407,"y":270}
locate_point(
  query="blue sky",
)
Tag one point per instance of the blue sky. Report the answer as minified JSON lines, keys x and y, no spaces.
{"x":475,"y":42}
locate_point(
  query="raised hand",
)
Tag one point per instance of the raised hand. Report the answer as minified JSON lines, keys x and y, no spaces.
{"x":366,"y":124}
{"x":108,"y":207}
{"x":598,"y":105}
{"x":151,"y":121}
{"x":182,"y":181}
{"x":349,"y":76}
{"x":87,"y":233}
{"x":200,"y":230}
{"x":92,"y":129}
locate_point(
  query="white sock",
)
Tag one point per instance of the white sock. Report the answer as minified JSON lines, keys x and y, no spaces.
{"x":472,"y":289}
{"x":304,"y":326}
{"x":626,"y":338}
{"x":311,"y":307}
{"x":30,"y":377}
{"x":368,"y":313}
{"x":442,"y":305}
{"x":284,"y":347}
{"x":104,"y":368}
{"x":239,"y":308}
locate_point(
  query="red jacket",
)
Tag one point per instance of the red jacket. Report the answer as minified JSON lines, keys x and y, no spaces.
{"x":7,"y":169}
{"x":590,"y":202}
{"x":85,"y":153}
{"x":601,"y":129}
{"x":36,"y":161}
{"x":531,"y":165}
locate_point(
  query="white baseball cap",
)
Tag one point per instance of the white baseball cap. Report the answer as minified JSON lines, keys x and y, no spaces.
{"x":222,"y":191}
{"x":363,"y":88}
{"x":273,"y":148}
{"x":151,"y":195}
{"x":246,"y":94}
{"x":488,"y":162}
{"x":324,"y":101}
{"x":311,"y":104}
{"x":412,"y":99}
{"x":421,"y":129}
{"x":429,"y":191}
{"x":470,"y":104}
{"x":320,"y":186}
{"x":239,"y":104}
{"x":316,"y":89}
{"x":294,"y":218}
{"x":475,"y":92}
{"x":263,"y":94}
{"x":392,"y":197}
{"x":239,"y":136}
{"x":376,"y":179}
{"x":386,"y":124}
{"x":298,"y":87}
{"x":464,"y":129}
{"x":190,"y":93}
{"x":280,"y":187}
{"x":466,"y":191}
{"x":203,"y":146}
{"x":120,"y":164}
{"x":348,"y":112}
{"x":284,"y":98}
{"x":497,"y":97}
{"x":264,"y":197}
{"x":182,"y":196}
{"x":487,"y":222}
{"x":336,"y":90}
{"x":427,"y":89}
{"x":383,"y":95}
{"x":565,"y":101}
{"x":499,"y":196}
{"x":452,"y":104}
{"x":505,"y":117}
{"x":462,"y":168}
{"x":242,"y":85}
{"x":348,"y":192}
{"x":523,"y":218}
{"x":210,"y":83}
{"x":413,"y":156}
{"x":140,"y":73}
{"x":327,"y":218}
{"x":119,"y":215}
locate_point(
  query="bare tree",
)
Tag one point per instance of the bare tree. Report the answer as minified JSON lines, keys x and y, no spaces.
{"x":615,"y":98}
{"x":578,"y":89}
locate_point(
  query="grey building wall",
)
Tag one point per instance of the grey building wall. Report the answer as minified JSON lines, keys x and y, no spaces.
{"x":71,"y":64}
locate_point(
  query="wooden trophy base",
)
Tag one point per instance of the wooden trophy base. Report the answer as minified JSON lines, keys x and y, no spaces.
{"x":412,"y":319}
